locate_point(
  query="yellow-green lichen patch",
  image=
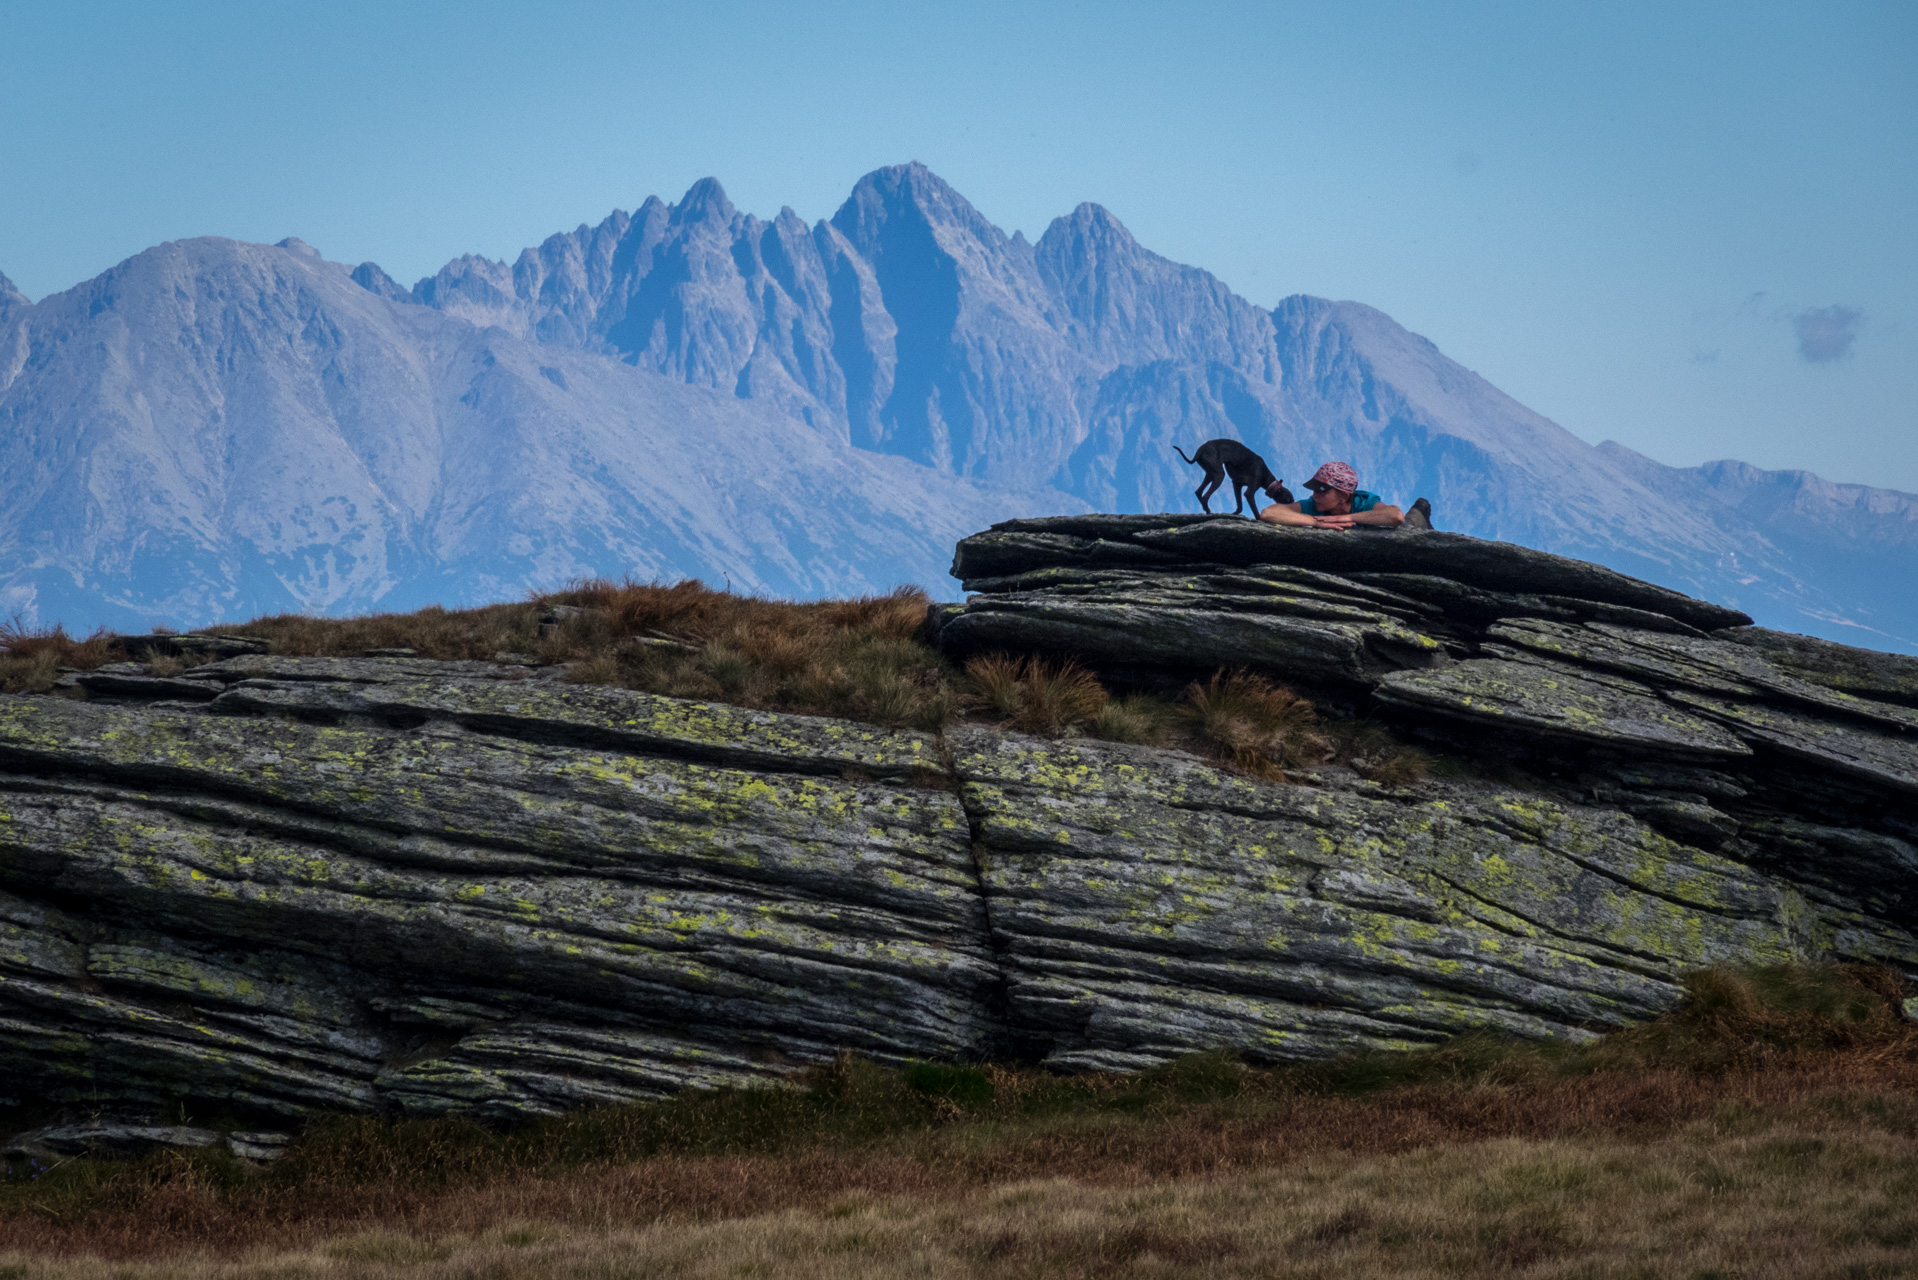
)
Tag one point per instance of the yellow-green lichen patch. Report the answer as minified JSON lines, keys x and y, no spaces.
{"x":1500,"y":909}
{"x":645,"y":722}
{"x":1558,"y":704}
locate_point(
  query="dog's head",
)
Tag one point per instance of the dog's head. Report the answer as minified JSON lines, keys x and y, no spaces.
{"x":1279,"y":493}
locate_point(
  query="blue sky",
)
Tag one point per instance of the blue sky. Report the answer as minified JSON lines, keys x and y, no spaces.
{"x":1687,"y":227}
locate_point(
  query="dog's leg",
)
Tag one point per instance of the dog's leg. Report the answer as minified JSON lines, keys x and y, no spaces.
{"x":1209,"y":486}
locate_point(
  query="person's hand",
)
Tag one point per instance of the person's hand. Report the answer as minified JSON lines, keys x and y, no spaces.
{"x":1333,"y":522}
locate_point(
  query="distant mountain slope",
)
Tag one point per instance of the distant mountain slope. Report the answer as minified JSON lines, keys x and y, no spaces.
{"x":909,"y":324}
{"x":222,"y":428}
{"x":214,"y":429}
{"x":1850,"y":542}
{"x":11,"y":299}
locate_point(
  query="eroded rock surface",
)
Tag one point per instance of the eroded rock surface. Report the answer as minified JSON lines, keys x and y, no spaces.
{"x":1145,"y":904}
{"x":1791,"y":759}
{"x":287,"y":885}
{"x":471,"y":892}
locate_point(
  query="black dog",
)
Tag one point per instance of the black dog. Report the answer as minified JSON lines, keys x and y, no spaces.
{"x":1222,"y":458}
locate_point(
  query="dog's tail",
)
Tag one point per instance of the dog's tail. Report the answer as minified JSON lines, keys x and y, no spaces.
{"x":1181,"y":452}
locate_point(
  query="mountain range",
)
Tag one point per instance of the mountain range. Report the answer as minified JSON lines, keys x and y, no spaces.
{"x":215,"y":429}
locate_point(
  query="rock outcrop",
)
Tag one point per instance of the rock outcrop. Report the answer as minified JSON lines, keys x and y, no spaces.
{"x":287,"y":885}
{"x":1792,"y":753}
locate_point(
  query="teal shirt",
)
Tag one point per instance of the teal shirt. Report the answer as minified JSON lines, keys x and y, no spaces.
{"x":1361,"y":501}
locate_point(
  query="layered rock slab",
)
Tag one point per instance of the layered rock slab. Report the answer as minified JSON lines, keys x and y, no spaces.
{"x":1014,"y":546}
{"x":1145,"y":903}
{"x":1265,"y":616}
{"x":294,"y":915}
{"x":1784,"y":752}
{"x":1339,"y":611}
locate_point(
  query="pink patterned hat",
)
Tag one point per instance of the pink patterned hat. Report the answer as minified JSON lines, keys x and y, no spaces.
{"x":1335,"y":475}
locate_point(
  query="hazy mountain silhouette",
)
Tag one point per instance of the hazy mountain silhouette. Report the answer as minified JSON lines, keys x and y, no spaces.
{"x":215,"y":429}
{"x":804,"y":409}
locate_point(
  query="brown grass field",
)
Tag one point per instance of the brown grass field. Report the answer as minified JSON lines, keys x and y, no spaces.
{"x":1768,"y":1128}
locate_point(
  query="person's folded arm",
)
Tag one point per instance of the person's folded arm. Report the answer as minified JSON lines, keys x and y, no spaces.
{"x":1288,"y":513}
{"x":1384,"y":514}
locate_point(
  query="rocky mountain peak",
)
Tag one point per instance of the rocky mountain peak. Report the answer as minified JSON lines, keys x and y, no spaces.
{"x":369,"y":276}
{"x":1128,"y":305}
{"x":911,"y":194}
{"x":1093,"y":226}
{"x":1086,"y":255}
{"x":10,"y":296}
{"x":476,"y":288}
{"x":704,"y":201}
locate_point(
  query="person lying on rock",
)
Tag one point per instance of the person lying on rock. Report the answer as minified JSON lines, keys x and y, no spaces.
{"x":1337,"y":502}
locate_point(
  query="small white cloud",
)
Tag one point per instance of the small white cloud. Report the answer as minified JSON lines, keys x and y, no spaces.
{"x":1826,"y":333}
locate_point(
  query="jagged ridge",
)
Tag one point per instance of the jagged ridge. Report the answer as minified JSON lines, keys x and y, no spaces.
{"x":213,"y":429}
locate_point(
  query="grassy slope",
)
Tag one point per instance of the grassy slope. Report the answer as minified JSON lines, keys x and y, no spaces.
{"x":1769,"y":1127}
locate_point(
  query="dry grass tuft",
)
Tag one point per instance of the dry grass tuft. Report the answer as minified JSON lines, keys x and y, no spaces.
{"x":996,"y":685}
{"x":1034,"y":695}
{"x":1140,"y":719}
{"x":1746,"y":1019}
{"x":432,"y":632}
{"x":1254,"y":725}
{"x":30,"y":658}
{"x":32,"y":674}
{"x":692,"y":610}
{"x":861,"y":659}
